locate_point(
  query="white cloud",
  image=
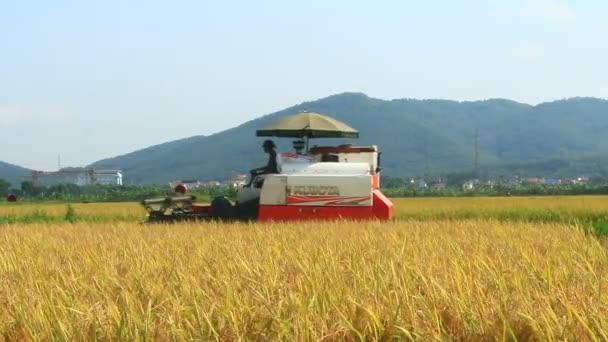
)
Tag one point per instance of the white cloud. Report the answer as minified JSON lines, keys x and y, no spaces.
{"x":550,"y":10}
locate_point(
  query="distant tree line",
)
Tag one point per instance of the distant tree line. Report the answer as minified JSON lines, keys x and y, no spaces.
{"x":399,"y":187}
{"x":500,"y":190}
{"x":392,"y":186}
{"x":30,"y":191}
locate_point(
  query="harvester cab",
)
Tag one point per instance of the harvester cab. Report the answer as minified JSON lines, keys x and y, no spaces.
{"x":318,"y":183}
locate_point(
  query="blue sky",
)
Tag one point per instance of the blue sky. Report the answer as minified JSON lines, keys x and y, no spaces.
{"x":94,"y":79}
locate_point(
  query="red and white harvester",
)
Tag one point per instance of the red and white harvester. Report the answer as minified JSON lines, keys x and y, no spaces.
{"x":317,"y":183}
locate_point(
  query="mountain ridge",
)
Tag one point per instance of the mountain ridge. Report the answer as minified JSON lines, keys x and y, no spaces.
{"x":12,"y":173}
{"x":417,"y":136}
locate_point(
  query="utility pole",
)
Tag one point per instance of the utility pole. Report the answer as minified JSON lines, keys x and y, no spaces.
{"x":426,"y":160}
{"x":58,"y":162}
{"x":476,"y":152}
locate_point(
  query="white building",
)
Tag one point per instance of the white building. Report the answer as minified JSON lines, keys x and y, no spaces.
{"x":79,"y":177}
{"x":107,"y":177}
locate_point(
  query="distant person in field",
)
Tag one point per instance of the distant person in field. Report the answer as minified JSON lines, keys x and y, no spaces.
{"x":271,"y":166}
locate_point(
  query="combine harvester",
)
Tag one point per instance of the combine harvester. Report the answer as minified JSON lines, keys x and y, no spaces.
{"x":320,"y":183}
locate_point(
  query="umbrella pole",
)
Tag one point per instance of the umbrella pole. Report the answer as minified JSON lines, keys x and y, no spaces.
{"x":307,"y":138}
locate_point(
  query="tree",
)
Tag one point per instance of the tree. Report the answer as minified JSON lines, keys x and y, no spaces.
{"x":4,"y":187}
{"x":27,"y":187}
{"x":392,"y":182}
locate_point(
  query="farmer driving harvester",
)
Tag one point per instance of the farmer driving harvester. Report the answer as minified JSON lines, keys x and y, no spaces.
{"x":318,"y":183}
{"x":271,"y":166}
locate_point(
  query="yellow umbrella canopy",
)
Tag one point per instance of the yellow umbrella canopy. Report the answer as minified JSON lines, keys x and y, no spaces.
{"x":308,"y":125}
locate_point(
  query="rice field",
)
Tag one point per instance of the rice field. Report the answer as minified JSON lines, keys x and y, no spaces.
{"x":431,"y":277}
{"x":569,"y":209}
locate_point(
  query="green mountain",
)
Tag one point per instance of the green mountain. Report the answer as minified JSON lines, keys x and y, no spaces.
{"x":416,"y":137}
{"x":13,"y":174}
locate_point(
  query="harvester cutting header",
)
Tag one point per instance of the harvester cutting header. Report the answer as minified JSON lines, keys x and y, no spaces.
{"x":318,"y":183}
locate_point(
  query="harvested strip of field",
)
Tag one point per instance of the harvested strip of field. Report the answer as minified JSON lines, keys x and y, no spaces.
{"x":566,"y":209}
{"x":55,"y":209}
{"x":84,"y":212}
{"x":427,"y":280}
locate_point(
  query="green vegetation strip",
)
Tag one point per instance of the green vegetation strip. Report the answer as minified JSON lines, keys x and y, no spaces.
{"x":507,"y":214}
{"x":591,"y":221}
{"x":40,"y":216}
